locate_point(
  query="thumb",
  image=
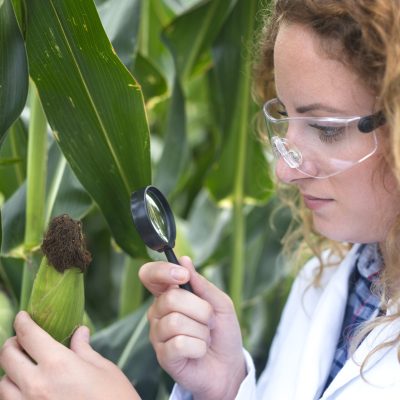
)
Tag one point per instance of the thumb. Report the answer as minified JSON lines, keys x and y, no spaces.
{"x":80,"y":345}
{"x":203,"y":288}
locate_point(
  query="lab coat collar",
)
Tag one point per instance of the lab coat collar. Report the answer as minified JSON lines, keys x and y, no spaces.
{"x":377,"y":377}
{"x":324,"y":332}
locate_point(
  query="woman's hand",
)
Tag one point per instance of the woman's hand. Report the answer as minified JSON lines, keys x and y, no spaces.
{"x":38,"y":367}
{"x":196,"y":336}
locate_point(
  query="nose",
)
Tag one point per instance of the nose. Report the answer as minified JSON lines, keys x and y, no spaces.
{"x":287,"y":174}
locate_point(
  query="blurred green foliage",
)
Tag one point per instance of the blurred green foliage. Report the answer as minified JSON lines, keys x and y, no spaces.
{"x":169,"y":103}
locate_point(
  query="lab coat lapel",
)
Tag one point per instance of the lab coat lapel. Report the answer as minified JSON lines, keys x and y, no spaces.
{"x":324,"y":333}
{"x":350,"y":373}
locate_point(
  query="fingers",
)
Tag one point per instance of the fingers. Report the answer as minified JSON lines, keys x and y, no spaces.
{"x":80,"y":346}
{"x":34,"y":339}
{"x":175,"y":324}
{"x":15,"y":362}
{"x":8,"y":390}
{"x":158,"y":277}
{"x":179,"y":348}
{"x":220,"y":301}
{"x":177,"y":337}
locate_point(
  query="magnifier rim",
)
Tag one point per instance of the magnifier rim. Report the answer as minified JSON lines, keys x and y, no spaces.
{"x":171,"y":234}
{"x":143,"y":222}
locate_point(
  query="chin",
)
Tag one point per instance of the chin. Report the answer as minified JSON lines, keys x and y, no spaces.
{"x":335,"y":231}
{"x":343,"y":235}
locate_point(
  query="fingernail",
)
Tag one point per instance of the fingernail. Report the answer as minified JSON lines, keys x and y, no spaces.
{"x":179,"y":274}
{"x":24,"y":315}
{"x":85,"y":333}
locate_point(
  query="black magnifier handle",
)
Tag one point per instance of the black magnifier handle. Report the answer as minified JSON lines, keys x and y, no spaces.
{"x":171,"y":257}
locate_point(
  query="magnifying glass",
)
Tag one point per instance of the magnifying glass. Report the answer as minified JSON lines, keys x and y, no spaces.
{"x":155,"y":223}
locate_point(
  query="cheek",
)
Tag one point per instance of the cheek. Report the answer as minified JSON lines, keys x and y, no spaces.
{"x":364,"y":207}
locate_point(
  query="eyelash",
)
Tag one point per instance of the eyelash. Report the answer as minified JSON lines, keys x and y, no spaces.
{"x":329,"y":134}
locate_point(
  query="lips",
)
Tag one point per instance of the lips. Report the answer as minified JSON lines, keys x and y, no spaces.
{"x":315,"y":203}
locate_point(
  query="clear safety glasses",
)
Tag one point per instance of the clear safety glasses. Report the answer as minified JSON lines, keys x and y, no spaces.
{"x":321,"y":147}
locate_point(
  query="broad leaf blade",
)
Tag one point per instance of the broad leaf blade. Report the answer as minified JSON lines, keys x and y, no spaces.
{"x":13,"y":69}
{"x":64,"y":194}
{"x":242,"y":162}
{"x":193,"y":32}
{"x":125,"y":342}
{"x":175,"y":150}
{"x":121,"y":19}
{"x":94,"y":106}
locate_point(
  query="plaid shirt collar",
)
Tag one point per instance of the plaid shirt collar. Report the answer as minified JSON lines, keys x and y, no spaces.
{"x":362,"y":304}
{"x":369,"y":261}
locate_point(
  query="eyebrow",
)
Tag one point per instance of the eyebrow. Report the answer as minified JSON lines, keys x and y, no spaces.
{"x":319,"y":107}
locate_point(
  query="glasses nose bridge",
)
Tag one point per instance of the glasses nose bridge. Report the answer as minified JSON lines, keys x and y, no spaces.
{"x":293,"y":130}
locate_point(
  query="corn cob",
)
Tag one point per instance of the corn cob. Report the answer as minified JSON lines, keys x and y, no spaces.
{"x":57,"y":299}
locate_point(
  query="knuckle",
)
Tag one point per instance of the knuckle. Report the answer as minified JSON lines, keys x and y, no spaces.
{"x":151,"y":312}
{"x":173,"y":322}
{"x":209,"y":311}
{"x":55,"y":365}
{"x":177,"y":344}
{"x":227,"y":301}
{"x":169,"y":300}
{"x":7,"y":346}
{"x":21,"y":327}
{"x":3,"y":387}
{"x":37,"y":389}
{"x":10,"y":342}
{"x":153,"y":334}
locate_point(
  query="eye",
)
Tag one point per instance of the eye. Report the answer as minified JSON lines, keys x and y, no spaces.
{"x":282,"y":112}
{"x":329,"y":134}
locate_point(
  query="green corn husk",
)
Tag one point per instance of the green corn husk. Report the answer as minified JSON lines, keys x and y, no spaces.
{"x":7,"y":314}
{"x":57,"y":300}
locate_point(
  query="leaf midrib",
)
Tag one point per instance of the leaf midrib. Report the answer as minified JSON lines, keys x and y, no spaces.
{"x":102,"y":126}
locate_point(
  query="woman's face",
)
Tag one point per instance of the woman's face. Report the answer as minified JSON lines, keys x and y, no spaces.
{"x":357,"y":205}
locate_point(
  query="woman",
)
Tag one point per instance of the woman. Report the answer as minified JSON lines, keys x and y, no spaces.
{"x":334,"y":125}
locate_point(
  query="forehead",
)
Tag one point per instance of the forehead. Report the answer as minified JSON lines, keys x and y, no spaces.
{"x":304,"y":72}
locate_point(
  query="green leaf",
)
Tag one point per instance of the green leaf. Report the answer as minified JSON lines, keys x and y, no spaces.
{"x":242,"y":162}
{"x":94,"y":106}
{"x":151,"y":80}
{"x":7,"y":313}
{"x":14,"y":147}
{"x":131,"y":293}
{"x":13,"y":223}
{"x":13,"y":69}
{"x":241,"y":172}
{"x":193,"y":32}
{"x":121,"y":19}
{"x":64,"y":194}
{"x":125,"y":342}
{"x":175,"y":150}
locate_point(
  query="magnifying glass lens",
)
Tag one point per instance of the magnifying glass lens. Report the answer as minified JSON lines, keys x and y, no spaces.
{"x":155,"y":222}
{"x":157,"y":216}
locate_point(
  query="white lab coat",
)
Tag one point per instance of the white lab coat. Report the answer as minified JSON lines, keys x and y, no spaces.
{"x":305,"y":342}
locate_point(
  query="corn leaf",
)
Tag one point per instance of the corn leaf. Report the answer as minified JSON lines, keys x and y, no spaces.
{"x":241,"y":165}
{"x":125,"y":342}
{"x":64,"y":194}
{"x":121,"y":20}
{"x":93,"y":105}
{"x":13,"y":159}
{"x":13,"y":68}
{"x":193,"y":32}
